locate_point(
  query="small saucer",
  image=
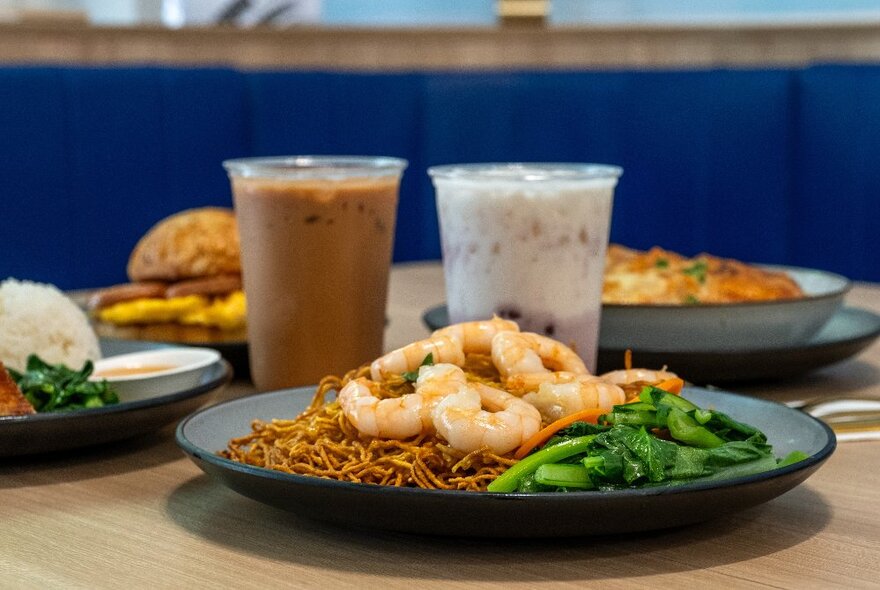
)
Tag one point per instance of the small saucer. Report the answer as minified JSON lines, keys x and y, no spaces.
{"x":141,"y":375}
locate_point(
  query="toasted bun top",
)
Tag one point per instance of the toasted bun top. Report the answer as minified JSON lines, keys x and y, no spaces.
{"x":190,"y":244}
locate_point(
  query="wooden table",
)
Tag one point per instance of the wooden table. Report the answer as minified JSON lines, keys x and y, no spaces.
{"x":139,"y":514}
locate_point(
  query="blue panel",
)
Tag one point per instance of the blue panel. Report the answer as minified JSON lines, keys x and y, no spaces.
{"x":346,"y":114}
{"x":145,"y":143}
{"x":705,"y":154}
{"x":838,"y":179}
{"x":99,"y":155}
{"x":771,"y":166}
{"x":35,"y":228}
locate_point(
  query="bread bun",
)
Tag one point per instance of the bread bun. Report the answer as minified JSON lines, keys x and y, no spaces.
{"x":190,"y":244}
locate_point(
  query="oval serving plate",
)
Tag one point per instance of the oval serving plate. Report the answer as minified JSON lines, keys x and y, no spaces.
{"x":58,"y":431}
{"x":483,"y":514}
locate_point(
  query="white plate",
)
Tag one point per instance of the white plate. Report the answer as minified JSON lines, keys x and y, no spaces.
{"x":727,"y":326}
{"x":184,"y":369}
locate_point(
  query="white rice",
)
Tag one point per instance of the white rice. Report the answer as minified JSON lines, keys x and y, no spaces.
{"x":38,"y":318}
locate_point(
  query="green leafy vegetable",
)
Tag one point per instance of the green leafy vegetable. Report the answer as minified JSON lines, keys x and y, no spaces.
{"x":509,"y":480}
{"x":663,"y":439}
{"x":52,"y":388}
{"x":662,"y":263}
{"x":563,"y":476}
{"x":412,"y":376}
{"x":792,"y":458}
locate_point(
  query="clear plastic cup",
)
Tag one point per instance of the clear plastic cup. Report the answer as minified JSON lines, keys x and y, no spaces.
{"x":527,"y":242}
{"x":316,"y":243}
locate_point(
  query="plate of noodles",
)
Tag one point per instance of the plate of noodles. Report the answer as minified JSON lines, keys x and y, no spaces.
{"x":331,"y":453}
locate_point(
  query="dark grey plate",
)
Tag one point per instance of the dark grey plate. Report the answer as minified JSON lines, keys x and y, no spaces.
{"x":849,"y":331}
{"x":739,"y":326}
{"x":438,"y":512}
{"x":44,"y":433}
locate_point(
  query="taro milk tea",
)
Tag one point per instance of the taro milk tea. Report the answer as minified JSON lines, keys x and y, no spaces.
{"x":527,"y":243}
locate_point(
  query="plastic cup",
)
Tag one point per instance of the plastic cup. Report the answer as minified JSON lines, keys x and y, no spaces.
{"x":316,"y":242}
{"x":527,"y":242}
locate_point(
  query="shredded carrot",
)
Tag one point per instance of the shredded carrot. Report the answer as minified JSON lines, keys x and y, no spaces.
{"x":673,"y":385}
{"x":545,"y":433}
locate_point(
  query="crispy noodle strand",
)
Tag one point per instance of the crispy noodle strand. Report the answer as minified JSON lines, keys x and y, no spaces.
{"x":322,"y":442}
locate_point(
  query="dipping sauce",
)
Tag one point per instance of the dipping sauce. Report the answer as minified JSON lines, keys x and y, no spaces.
{"x":129,"y":371}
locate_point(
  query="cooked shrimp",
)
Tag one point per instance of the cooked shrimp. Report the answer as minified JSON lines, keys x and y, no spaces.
{"x":394,"y":417}
{"x":557,"y":400}
{"x":625,"y":376}
{"x":476,"y":337}
{"x":527,"y":352}
{"x":433,"y":384}
{"x":523,"y":383}
{"x":404,"y":416}
{"x":444,"y":349}
{"x":503,"y":426}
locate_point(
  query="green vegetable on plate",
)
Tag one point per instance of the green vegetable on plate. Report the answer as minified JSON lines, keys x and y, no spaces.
{"x":53,"y":388}
{"x":663,"y":439}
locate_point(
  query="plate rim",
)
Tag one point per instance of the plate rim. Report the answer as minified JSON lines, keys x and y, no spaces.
{"x":195,"y":452}
{"x":808,"y":345}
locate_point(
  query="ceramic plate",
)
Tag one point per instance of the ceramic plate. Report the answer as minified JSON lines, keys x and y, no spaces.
{"x":139,"y":375}
{"x":43,"y":433}
{"x":849,"y":331}
{"x":727,"y":326}
{"x":439,"y":512}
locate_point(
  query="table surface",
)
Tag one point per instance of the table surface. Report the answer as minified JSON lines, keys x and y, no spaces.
{"x":140,"y":514}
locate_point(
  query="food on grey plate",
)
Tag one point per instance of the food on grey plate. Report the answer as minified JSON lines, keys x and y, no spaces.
{"x":662,"y":277}
{"x":12,"y":402}
{"x":38,"y":318}
{"x":56,"y":387}
{"x":185,"y":270}
{"x":482,"y":406}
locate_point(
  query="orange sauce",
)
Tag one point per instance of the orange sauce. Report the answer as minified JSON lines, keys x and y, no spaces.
{"x":126,"y":371}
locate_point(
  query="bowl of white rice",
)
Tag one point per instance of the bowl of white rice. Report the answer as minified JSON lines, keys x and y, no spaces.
{"x":36,"y":318}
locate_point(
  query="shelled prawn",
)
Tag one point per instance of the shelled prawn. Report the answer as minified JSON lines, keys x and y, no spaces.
{"x":540,"y":380}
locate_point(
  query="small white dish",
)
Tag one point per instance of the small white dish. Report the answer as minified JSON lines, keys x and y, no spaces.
{"x":142,"y":375}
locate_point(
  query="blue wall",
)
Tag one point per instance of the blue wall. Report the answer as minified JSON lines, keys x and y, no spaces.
{"x":763,"y":165}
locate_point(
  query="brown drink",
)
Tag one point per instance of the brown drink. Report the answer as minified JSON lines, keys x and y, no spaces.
{"x":316,"y":241}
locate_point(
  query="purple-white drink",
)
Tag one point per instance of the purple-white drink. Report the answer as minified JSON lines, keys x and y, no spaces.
{"x":527,"y":242}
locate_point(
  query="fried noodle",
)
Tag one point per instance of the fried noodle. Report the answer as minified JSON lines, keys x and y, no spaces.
{"x":322,"y":442}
